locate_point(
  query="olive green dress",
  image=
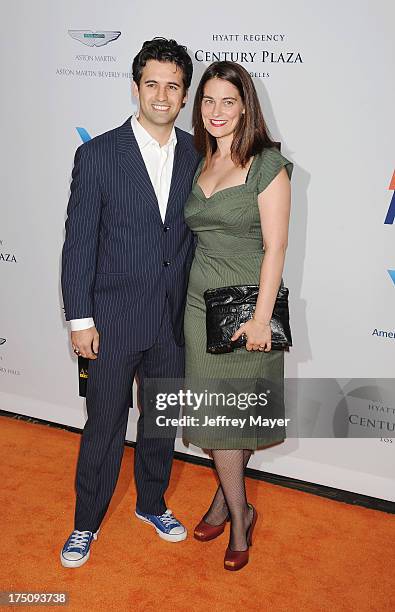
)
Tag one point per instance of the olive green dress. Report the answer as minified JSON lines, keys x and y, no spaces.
{"x":229,"y":252}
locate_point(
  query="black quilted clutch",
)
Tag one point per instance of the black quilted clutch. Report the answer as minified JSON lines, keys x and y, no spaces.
{"x":229,"y":307}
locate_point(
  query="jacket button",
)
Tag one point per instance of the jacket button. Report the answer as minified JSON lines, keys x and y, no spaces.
{"x":166,"y":228}
{"x":166,"y":263}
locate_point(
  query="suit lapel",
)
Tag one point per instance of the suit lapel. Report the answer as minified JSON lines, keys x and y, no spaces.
{"x":132,"y":163}
{"x":180,"y":171}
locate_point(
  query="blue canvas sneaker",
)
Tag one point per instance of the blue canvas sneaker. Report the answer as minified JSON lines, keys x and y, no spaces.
{"x":166,"y":525}
{"x":76,"y":551}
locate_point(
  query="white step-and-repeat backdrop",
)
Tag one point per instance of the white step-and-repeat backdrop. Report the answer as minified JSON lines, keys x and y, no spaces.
{"x":323,"y":72}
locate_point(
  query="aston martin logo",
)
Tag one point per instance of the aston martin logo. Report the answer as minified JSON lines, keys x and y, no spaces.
{"x":94,"y":39}
{"x":3,"y":341}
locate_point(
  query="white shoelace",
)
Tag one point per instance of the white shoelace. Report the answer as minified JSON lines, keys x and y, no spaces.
{"x":79,"y":539}
{"x":167,"y":518}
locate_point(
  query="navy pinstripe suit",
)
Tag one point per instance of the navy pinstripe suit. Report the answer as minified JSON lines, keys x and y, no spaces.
{"x":128,"y":270}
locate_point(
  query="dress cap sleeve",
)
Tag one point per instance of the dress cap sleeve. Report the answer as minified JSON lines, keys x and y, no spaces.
{"x":270,"y":165}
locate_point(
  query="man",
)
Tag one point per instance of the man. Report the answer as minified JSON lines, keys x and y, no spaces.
{"x":125,"y":266}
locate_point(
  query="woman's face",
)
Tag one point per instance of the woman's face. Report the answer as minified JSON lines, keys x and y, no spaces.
{"x":222,"y":107}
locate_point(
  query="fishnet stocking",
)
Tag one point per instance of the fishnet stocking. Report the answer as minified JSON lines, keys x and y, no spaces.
{"x":231,"y":495}
{"x":219,"y":510}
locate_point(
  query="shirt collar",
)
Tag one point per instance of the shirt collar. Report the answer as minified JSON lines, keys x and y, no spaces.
{"x":144,"y":138}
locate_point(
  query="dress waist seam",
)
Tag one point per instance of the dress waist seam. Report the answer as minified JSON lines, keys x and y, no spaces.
{"x":231,"y":253}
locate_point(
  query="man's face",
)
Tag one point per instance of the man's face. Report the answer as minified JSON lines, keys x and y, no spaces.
{"x":161,"y":93}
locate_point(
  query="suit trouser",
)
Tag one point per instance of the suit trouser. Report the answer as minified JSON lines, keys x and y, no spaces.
{"x":103,"y":438}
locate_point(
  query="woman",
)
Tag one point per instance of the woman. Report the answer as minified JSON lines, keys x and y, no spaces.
{"x":239,"y":209}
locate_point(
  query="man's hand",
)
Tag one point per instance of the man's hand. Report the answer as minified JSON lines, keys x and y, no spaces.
{"x":86,"y":341}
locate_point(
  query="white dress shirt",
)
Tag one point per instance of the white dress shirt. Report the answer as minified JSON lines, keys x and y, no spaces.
{"x":159,"y":163}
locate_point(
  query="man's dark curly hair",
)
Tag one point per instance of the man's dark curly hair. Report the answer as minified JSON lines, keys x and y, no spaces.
{"x":163,"y":50}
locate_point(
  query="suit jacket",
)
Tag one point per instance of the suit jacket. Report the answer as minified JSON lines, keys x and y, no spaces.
{"x":119,"y":260}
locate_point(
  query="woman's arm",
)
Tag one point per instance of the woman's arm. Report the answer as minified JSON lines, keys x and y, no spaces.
{"x":274,"y":208}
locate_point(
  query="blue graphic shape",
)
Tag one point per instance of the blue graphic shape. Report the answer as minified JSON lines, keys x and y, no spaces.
{"x":83,"y":134}
{"x":391,"y":212}
{"x":392,"y":275}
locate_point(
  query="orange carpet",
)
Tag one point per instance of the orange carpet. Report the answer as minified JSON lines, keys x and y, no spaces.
{"x":309,"y":553}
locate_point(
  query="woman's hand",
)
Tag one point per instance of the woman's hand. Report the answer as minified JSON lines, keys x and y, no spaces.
{"x":258,"y":335}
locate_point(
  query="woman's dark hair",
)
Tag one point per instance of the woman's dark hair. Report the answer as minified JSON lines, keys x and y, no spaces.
{"x":251,"y":135}
{"x":163,"y":50}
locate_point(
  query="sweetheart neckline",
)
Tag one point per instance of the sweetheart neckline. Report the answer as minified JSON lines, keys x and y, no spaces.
{"x":219,"y":190}
{"x":227,"y":188}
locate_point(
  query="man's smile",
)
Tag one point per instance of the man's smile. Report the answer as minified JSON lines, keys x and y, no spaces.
{"x":160,"y":107}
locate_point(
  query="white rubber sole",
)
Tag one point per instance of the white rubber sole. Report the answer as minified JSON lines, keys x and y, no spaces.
{"x":179,"y":537}
{"x":77,"y":562}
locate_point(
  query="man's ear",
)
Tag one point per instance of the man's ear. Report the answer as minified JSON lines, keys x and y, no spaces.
{"x":185,"y":99}
{"x":135,"y":89}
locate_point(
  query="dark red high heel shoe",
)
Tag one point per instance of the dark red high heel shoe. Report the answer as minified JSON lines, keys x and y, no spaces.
{"x":236,"y":559}
{"x":205,"y":532}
